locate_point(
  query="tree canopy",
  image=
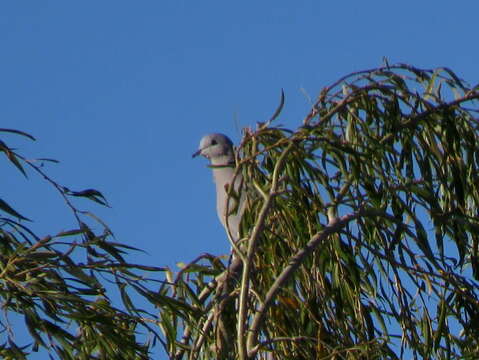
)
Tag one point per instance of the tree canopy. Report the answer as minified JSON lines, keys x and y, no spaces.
{"x":359,"y":241}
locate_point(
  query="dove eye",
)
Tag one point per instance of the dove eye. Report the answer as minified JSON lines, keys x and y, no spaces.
{"x":214,"y":142}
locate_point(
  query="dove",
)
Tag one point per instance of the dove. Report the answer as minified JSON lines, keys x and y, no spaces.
{"x":218,"y":149}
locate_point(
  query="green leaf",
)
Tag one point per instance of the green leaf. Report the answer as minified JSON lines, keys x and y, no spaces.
{"x":33,"y":323}
{"x":8,"y":209}
{"x":112,"y":250}
{"x":280,"y":107}
{"x":12,"y":157}
{"x":48,"y":159}
{"x":91,"y":194}
{"x":70,"y":233}
{"x":18,"y":132}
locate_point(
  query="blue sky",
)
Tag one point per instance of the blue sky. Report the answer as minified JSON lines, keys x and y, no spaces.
{"x":121,"y":93}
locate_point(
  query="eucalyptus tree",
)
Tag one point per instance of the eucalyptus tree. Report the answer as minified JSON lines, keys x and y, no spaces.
{"x":359,"y":239}
{"x":69,"y":291}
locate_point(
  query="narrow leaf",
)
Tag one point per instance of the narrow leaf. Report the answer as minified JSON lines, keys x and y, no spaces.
{"x":18,"y":132}
{"x":8,"y":209}
{"x":11,"y":156}
{"x":91,"y":194}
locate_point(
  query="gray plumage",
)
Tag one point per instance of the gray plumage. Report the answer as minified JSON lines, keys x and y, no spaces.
{"x":218,"y":149}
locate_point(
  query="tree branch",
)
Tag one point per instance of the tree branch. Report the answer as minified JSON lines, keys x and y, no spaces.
{"x":257,"y":230}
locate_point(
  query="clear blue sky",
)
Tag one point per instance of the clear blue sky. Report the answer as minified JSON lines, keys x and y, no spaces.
{"x":122,"y":91}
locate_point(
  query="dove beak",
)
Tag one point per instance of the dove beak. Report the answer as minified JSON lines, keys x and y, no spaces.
{"x":197,"y":153}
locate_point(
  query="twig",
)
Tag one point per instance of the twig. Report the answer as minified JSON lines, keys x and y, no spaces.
{"x":413,"y":120}
{"x":257,"y":229}
{"x":60,"y":188}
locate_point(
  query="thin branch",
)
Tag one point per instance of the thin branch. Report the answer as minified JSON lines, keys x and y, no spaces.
{"x":413,"y":120}
{"x":60,"y":188}
{"x":257,"y":230}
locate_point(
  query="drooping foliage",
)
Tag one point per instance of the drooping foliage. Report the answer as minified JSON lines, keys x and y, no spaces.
{"x":359,"y":241}
{"x":70,"y":291}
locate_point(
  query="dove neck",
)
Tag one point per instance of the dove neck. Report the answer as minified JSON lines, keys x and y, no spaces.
{"x":223,"y":169}
{"x":220,"y":162}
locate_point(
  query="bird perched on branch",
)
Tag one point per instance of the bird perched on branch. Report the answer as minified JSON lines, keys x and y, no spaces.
{"x":218,"y":149}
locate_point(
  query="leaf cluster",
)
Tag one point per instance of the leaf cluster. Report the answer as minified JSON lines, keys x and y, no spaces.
{"x":359,"y":241}
{"x":70,"y":291}
{"x":360,"y":237}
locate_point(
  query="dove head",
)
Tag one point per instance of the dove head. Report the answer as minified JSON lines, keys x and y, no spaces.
{"x":217,"y":148}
